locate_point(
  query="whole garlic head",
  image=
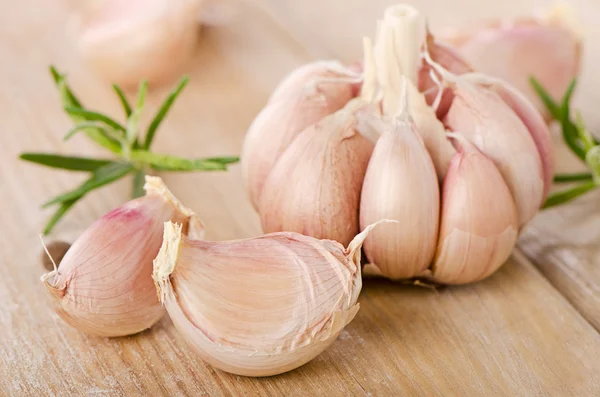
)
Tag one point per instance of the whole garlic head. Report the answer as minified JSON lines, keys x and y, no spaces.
{"x":127,"y":41}
{"x":103,"y":285}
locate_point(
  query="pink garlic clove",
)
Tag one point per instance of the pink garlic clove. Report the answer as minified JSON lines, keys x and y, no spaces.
{"x":305,"y":97}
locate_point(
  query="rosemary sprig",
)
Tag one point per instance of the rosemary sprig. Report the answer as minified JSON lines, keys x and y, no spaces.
{"x":125,"y":141}
{"x":579,"y":140}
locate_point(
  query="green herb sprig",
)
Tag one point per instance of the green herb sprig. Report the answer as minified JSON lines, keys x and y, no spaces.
{"x":129,"y":146}
{"x":579,"y":140}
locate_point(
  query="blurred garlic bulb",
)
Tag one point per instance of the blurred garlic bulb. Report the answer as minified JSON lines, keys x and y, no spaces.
{"x":314,"y":188}
{"x":127,"y":41}
{"x":260,"y":306}
{"x":303,"y":98}
{"x":479,"y":224}
{"x":103,"y":285}
{"x":400,"y":184}
{"x":547,"y":48}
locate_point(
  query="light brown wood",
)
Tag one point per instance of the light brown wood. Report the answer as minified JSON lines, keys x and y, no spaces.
{"x":518,"y":333}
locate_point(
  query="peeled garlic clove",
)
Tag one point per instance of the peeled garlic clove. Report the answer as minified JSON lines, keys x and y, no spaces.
{"x":314,"y":188}
{"x":305,"y":97}
{"x":126,"y":42}
{"x":532,"y":119}
{"x":479,"y":223}
{"x":479,"y":114}
{"x":103,"y":285}
{"x":548,"y":49}
{"x":400,"y":184}
{"x":260,"y":306}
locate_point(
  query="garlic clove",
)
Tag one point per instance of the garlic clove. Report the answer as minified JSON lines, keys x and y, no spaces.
{"x":103,"y":285}
{"x":260,"y":306}
{"x":126,"y":42}
{"x":532,"y":119}
{"x":451,"y":60}
{"x":400,"y":184}
{"x":479,"y":114}
{"x":548,"y":49}
{"x":479,"y":223}
{"x":305,"y":97}
{"x":314,"y":188}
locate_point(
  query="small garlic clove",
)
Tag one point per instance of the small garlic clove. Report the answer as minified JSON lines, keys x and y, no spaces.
{"x":532,"y":119}
{"x":401,"y":184}
{"x":260,"y":306}
{"x":306,"y":96}
{"x":548,"y":49}
{"x":479,"y":114}
{"x":314,"y":188}
{"x":126,"y":42}
{"x":103,"y":285}
{"x":479,"y":223}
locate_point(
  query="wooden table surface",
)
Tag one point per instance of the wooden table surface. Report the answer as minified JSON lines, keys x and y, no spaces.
{"x":530,"y":330}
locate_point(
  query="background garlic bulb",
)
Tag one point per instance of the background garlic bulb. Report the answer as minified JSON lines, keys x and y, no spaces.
{"x":259,"y":306}
{"x":504,"y":160}
{"x":127,"y":41}
{"x":548,"y":48}
{"x":103,"y":285}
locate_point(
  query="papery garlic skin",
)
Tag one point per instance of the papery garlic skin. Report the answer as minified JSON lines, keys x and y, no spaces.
{"x":126,"y":42}
{"x":314,"y":188}
{"x":479,"y":223}
{"x":400,"y":184}
{"x":103,"y":286}
{"x":260,"y":306}
{"x":548,"y":49}
{"x":479,"y":114}
{"x":303,"y":98}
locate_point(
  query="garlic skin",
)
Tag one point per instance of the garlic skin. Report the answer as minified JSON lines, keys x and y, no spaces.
{"x":260,"y":306}
{"x":479,"y":223}
{"x":314,"y":188}
{"x":125,"y":42}
{"x":400,"y":184}
{"x":547,"y":48}
{"x":103,"y":285}
{"x":303,"y":98}
{"x":480,"y":115}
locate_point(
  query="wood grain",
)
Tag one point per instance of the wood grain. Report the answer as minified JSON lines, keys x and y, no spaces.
{"x":513,"y":334}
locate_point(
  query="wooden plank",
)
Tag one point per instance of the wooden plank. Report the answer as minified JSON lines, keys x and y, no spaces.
{"x":513,"y":334}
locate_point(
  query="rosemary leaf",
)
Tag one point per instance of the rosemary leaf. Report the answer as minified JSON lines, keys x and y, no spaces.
{"x":70,"y":163}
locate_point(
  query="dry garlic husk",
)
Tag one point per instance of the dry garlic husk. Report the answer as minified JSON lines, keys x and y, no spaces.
{"x":314,"y":188}
{"x":548,"y":48}
{"x":479,"y":114}
{"x":259,"y":306}
{"x":400,"y":184}
{"x":394,"y":58}
{"x":103,"y":285}
{"x":127,"y":41}
{"x":303,"y":98}
{"x":479,"y":224}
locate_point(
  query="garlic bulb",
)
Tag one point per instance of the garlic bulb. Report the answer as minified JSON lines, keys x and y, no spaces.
{"x":127,"y":41}
{"x":547,"y":48}
{"x":479,"y":223}
{"x":306,"y":96}
{"x":259,"y":306}
{"x":103,"y":285}
{"x":314,"y":188}
{"x":401,"y":184}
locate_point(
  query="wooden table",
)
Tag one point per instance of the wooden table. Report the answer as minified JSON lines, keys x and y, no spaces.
{"x":530,"y":330}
